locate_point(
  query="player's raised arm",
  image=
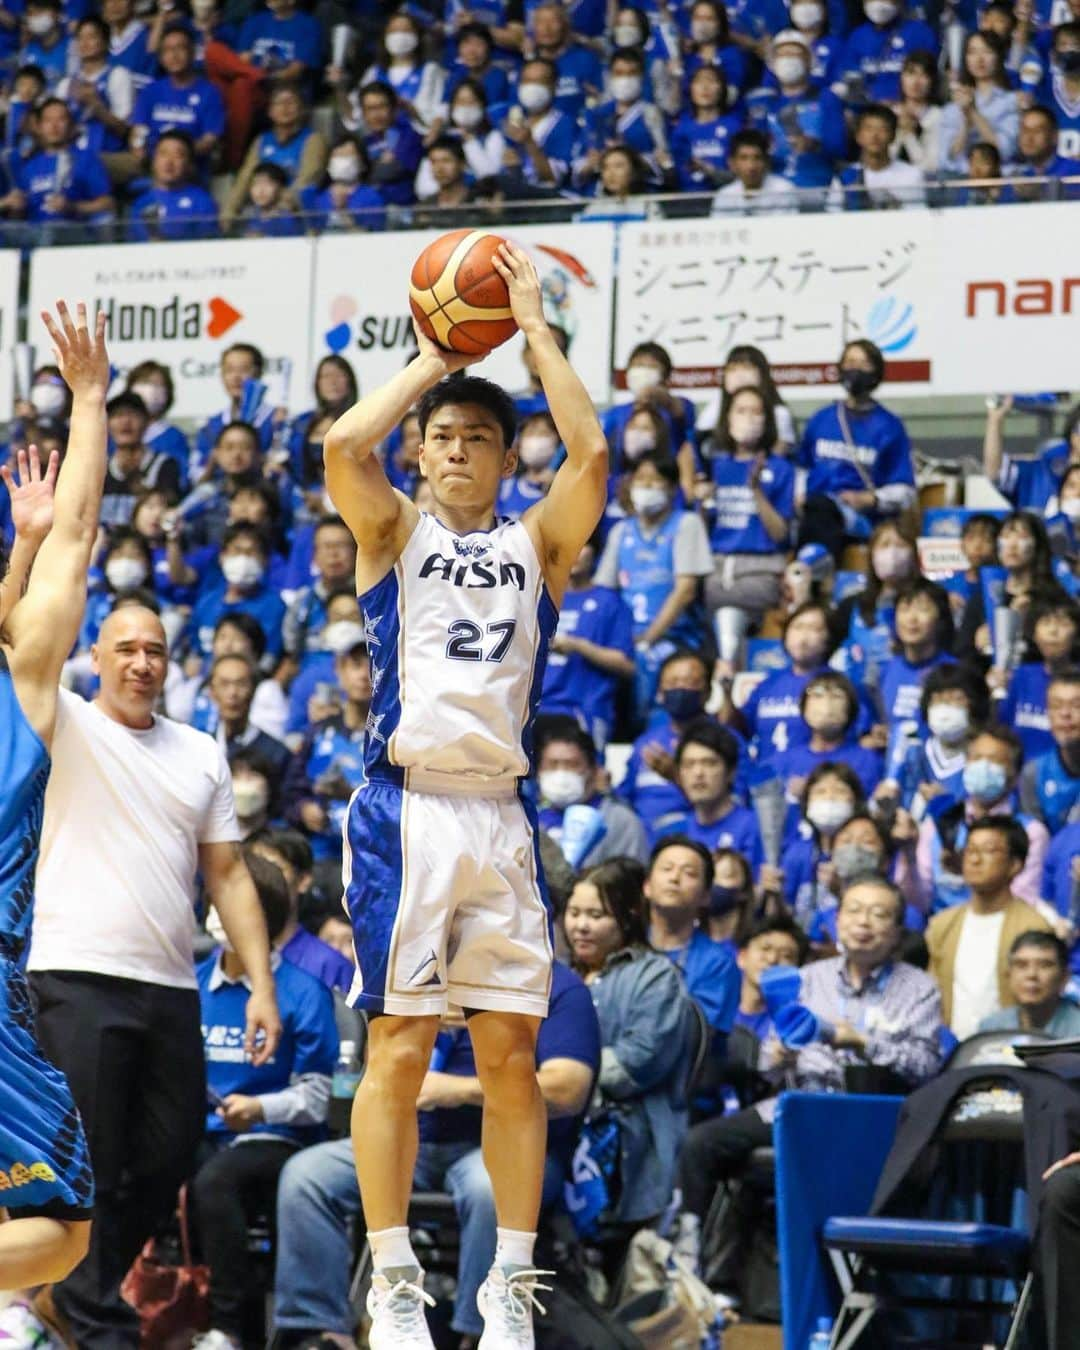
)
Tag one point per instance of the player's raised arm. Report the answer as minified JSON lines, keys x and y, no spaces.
{"x":45,"y":623}
{"x":358,"y":487}
{"x":571,"y":511}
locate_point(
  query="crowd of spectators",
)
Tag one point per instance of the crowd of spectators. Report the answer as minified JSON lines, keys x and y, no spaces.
{"x":766,"y":738}
{"x":174,"y":119}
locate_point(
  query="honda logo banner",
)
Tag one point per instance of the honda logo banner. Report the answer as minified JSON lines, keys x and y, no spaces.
{"x":183,"y":304}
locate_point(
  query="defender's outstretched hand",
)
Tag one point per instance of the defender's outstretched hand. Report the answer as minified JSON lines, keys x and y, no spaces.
{"x":526,"y":298}
{"x":31,"y":493}
{"x":81,"y":356}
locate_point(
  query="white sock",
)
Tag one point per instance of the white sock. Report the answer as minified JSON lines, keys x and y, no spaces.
{"x":513,"y":1248}
{"x":391,"y":1249}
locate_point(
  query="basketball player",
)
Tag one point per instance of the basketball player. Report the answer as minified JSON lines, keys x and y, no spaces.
{"x":442,"y":873}
{"x":45,"y":1180}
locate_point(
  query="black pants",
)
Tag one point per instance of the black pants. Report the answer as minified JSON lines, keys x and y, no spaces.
{"x":1058,"y":1257}
{"x":133,"y":1056}
{"x":717,"y":1150}
{"x":232,"y":1187}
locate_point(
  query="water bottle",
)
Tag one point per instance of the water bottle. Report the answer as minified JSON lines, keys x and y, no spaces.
{"x":822,"y":1338}
{"x":346,"y":1078}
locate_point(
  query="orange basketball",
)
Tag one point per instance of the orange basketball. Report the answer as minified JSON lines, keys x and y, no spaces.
{"x":458,"y":298}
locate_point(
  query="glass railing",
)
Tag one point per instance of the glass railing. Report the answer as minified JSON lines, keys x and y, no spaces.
{"x":152,"y":225}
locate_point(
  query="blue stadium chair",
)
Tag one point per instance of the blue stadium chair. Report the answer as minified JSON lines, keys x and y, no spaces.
{"x":862,"y":1248}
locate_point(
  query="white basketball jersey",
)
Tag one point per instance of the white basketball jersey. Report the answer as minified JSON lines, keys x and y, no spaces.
{"x":458,"y":633}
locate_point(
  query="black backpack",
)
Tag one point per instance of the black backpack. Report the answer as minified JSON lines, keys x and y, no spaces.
{"x":575,"y":1321}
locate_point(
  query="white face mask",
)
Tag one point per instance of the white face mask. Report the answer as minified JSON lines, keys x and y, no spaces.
{"x":625,"y":88}
{"x":48,"y":399}
{"x":40,"y":24}
{"x":881,"y":11}
{"x":466,"y":116}
{"x":153,"y":395}
{"x":827,"y":815}
{"x":537,"y":451}
{"x":637,"y":441}
{"x":342,"y":635}
{"x":124,"y":574}
{"x":948,"y":722}
{"x":805,"y":14}
{"x":215,"y":930}
{"x":251,"y":796}
{"x":703,"y":30}
{"x":746,"y":428}
{"x":626,"y":35}
{"x":240,"y":569}
{"x":534,"y":97}
{"x":789,"y":69}
{"x":648,"y":501}
{"x":343,"y":169}
{"x":1071,"y":508}
{"x":401,"y":43}
{"x":640,"y":379}
{"x":561,"y":787}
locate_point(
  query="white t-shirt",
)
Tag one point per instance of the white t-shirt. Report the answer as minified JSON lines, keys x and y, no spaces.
{"x":975,"y":974}
{"x":125,"y":812}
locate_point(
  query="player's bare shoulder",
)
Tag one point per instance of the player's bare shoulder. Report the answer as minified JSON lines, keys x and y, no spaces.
{"x":382,"y":545}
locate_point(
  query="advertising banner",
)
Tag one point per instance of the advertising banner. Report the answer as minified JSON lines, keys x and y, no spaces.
{"x":183,"y":304}
{"x":361,"y":303}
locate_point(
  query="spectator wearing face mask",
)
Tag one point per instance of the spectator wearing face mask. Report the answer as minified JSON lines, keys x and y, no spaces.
{"x":991,"y":783}
{"x":648,"y":378}
{"x":49,"y":401}
{"x":706,"y":765}
{"x":954,"y":703}
{"x":867,"y":617}
{"x":824,"y":32}
{"x":127,"y":568}
{"x":805,"y":123}
{"x":830,"y":712}
{"x":857,"y":455}
{"x":877,"y":180}
{"x":591,"y":652}
{"x":482,"y":143}
{"x":345,"y":200}
{"x":1051,"y":783}
{"x":334,"y":565}
{"x":1028,"y":483}
{"x":701,"y":137}
{"x":243,"y":561}
{"x":745,"y":367}
{"x":45,"y":43}
{"x":537,"y":446}
{"x":749,"y":505}
{"x":656,"y":559}
{"x":1055,"y":634}
{"x":1061,"y":88}
{"x":924,"y":629}
{"x":253,"y":791}
{"x":650,"y":785}
{"x":153,"y":383}
{"x":711,"y":44}
{"x":873,"y":55}
{"x":861,"y":848}
{"x":626,"y":118}
{"x":831,"y":795}
{"x":418,"y":84}
{"x":541,"y":138}
{"x":658,"y":44}
{"x":307,"y":702}
{"x":566,"y":775}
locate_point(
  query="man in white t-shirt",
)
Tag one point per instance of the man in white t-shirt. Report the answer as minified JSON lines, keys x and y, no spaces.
{"x":970,"y":943}
{"x":755,"y":190}
{"x":136,"y":807}
{"x":877,"y":181}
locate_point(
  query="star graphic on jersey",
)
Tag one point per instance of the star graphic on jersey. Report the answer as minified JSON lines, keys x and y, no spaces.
{"x":376,"y":678}
{"x":372,"y":725}
{"x":371,"y":637}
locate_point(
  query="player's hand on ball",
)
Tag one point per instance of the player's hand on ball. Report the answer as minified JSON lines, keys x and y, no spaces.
{"x":80,"y":354}
{"x":526,"y":299}
{"x":451,"y":361}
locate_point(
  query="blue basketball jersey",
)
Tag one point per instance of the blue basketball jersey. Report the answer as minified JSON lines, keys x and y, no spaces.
{"x":24,"y":772}
{"x":458,"y":633}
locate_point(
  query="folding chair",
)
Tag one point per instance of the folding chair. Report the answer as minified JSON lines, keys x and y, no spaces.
{"x":860,"y":1248}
